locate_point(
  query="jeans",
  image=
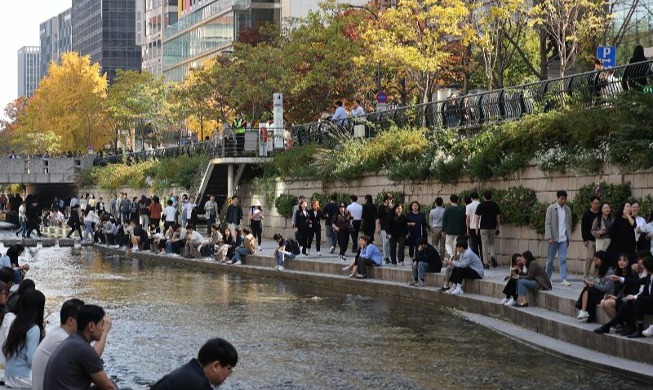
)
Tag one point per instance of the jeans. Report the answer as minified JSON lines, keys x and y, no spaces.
{"x":88,"y":230}
{"x":23,"y":229}
{"x":420,"y":271}
{"x":523,"y":285}
{"x":239,"y":253}
{"x":386,"y":244}
{"x":561,"y":248}
{"x":280,"y":257}
{"x":332,"y":237}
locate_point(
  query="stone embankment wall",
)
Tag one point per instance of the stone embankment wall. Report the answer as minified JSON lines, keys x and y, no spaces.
{"x":512,"y":239}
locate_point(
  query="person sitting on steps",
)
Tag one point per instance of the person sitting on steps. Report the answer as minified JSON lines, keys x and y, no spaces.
{"x":535,"y":279}
{"x":369,"y":255}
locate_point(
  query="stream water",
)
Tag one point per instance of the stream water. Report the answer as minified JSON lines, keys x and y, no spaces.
{"x":291,"y":335}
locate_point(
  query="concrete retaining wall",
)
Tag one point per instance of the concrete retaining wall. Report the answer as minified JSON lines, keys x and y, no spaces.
{"x":512,"y":239}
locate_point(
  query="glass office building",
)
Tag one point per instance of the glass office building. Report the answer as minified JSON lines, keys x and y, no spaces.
{"x":56,"y":35}
{"x":156,"y":16}
{"x":29,"y":64}
{"x":105,"y":30}
{"x":637,"y":15}
{"x":206,"y":28}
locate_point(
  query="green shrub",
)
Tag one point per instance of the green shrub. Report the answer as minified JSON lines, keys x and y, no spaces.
{"x":284,"y":204}
{"x":398,"y":196}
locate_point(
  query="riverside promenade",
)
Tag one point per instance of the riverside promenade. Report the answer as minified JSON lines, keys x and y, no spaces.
{"x":548,"y":324}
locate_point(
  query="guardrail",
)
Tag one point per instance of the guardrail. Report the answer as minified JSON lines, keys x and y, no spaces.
{"x":247,"y":145}
{"x":589,"y":89}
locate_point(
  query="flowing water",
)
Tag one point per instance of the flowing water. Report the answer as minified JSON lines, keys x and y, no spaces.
{"x":291,"y":335}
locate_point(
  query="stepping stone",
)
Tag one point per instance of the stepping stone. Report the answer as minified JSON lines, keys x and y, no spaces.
{"x":66,"y":242}
{"x":48,"y":242}
{"x":29,"y":242}
{"x":87,"y":243}
{"x":9,"y":242}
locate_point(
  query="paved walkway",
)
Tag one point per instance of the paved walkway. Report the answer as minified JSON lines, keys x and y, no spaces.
{"x":493,"y":274}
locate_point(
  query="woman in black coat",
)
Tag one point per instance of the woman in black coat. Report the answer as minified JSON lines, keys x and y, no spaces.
{"x":315,"y":216}
{"x":397,"y":232}
{"x":622,"y":235}
{"x":304,"y":226}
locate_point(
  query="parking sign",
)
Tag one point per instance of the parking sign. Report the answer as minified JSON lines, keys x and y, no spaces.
{"x":608,"y":55}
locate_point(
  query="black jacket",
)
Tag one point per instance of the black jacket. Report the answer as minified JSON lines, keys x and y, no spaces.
{"x":431,"y":256}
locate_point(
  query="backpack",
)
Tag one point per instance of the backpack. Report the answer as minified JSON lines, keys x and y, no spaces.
{"x":293,"y":246}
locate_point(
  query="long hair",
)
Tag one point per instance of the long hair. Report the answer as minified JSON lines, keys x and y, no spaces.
{"x":30,"y":313}
{"x":528,"y":256}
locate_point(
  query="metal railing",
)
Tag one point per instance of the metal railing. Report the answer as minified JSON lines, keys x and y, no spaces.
{"x":246,"y":145}
{"x":589,"y":89}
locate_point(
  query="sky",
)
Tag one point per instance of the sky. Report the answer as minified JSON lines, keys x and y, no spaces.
{"x":19,"y":26}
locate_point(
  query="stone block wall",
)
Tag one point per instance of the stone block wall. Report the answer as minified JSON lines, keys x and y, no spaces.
{"x":512,"y":239}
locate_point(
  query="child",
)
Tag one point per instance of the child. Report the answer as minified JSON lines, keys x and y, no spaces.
{"x":516,"y":267}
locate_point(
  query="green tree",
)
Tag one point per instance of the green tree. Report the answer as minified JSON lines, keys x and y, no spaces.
{"x":137,"y":101}
{"x":414,"y":36}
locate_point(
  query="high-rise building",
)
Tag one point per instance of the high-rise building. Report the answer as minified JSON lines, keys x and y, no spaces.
{"x":152,"y":17}
{"x":28,"y":70}
{"x":56,"y":38}
{"x":106,"y":30}
{"x":208,"y":27}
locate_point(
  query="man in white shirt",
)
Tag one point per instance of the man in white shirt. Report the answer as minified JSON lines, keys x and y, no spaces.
{"x":169,"y":215}
{"x":188,"y":209}
{"x":355,"y":211}
{"x":471,"y":220}
{"x":357,"y":111}
{"x":68,"y":316}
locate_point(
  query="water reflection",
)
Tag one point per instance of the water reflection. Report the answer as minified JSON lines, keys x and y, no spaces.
{"x":291,"y":335}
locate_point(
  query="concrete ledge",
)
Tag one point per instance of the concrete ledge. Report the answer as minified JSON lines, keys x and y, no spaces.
{"x":48,"y":242}
{"x":537,"y":319}
{"x":29,"y":242}
{"x":10,"y":241}
{"x":66,"y":242}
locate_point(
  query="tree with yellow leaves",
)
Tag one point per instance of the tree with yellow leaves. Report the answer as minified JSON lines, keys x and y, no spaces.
{"x":413,"y":37}
{"x":70,"y":104}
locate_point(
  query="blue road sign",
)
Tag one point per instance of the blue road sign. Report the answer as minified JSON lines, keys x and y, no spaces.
{"x":607,"y":54}
{"x":381,"y":97}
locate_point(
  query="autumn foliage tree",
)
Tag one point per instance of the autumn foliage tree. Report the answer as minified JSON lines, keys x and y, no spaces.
{"x":70,"y":105}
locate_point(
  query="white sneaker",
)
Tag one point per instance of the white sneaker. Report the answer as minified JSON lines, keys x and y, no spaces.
{"x":504,"y":301}
{"x":238,"y":262}
{"x":318,"y":253}
{"x":276,"y":267}
{"x":332,"y":249}
{"x":565,"y":283}
{"x":457,"y":291}
{"x":510,"y":302}
{"x":648,"y":332}
{"x":280,"y":268}
{"x":582,"y":314}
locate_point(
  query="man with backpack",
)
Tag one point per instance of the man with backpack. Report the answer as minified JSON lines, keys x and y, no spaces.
{"x":288,"y":249}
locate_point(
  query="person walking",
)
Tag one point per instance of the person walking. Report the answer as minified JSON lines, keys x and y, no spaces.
{"x":210,"y":212}
{"x":489,"y":225}
{"x":342,"y":226}
{"x":315,"y":217}
{"x":589,"y":216}
{"x":453,"y":225}
{"x":330,"y":211}
{"x":256,"y":221}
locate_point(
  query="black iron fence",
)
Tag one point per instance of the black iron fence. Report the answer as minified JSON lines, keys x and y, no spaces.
{"x":248,"y":144}
{"x":590,"y":89}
